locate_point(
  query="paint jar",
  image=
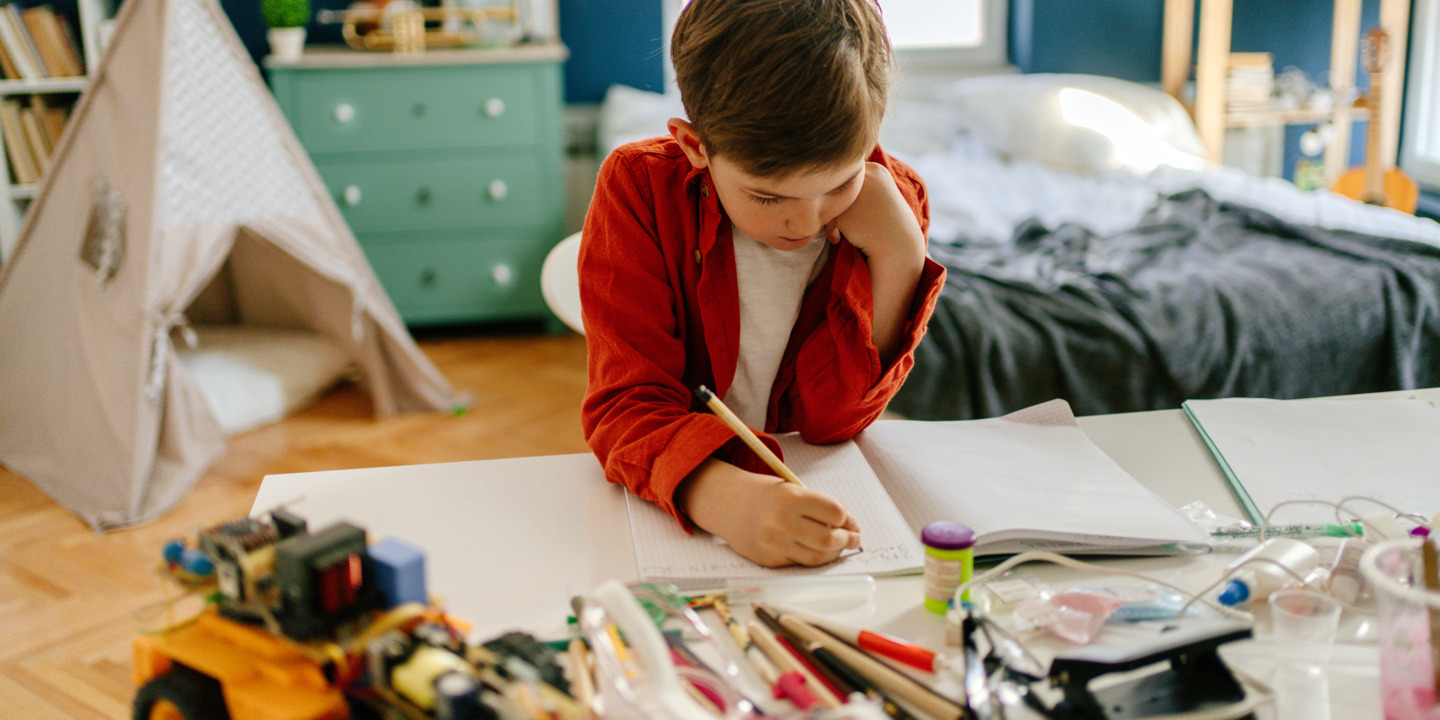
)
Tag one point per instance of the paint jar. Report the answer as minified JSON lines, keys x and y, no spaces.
{"x":1409,"y":621}
{"x":949,"y":562}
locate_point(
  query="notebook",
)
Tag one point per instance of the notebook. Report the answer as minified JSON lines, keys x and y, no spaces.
{"x":1273,"y":451}
{"x":1030,"y":480}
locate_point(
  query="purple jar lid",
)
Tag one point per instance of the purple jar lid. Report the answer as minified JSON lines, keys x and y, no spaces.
{"x":946,"y":535}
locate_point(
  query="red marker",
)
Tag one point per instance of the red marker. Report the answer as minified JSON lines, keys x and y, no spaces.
{"x":880,"y":644}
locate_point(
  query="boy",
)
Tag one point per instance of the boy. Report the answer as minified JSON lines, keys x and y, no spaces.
{"x":768,"y":249}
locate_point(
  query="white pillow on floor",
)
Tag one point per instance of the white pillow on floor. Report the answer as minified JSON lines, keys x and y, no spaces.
{"x":254,"y":375}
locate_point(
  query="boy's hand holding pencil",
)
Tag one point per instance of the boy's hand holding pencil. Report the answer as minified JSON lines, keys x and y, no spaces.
{"x":774,"y":521}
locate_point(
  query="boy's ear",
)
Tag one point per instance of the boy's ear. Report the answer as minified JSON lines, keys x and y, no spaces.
{"x":684,"y":134}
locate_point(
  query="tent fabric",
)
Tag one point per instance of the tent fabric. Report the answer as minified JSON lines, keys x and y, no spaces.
{"x":168,"y":185}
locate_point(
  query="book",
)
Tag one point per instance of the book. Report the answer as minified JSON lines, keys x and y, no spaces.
{"x":53,"y":117}
{"x":1030,"y":480}
{"x":25,"y":41}
{"x":22,"y":164}
{"x":49,"y":42}
{"x":7,"y":66}
{"x":35,"y":139}
{"x":1273,"y":451}
{"x":15,"y":45}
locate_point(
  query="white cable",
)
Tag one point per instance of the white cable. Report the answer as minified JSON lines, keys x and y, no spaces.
{"x":1080,"y":565}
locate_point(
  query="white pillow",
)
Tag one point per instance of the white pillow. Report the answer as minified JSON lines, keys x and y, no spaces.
{"x":628,"y":114}
{"x":1080,"y":123}
{"x":253,"y":375}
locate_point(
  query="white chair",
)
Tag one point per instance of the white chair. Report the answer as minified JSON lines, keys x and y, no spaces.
{"x":560,"y":282}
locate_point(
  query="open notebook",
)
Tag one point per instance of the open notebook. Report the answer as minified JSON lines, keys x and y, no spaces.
{"x":1030,"y":480}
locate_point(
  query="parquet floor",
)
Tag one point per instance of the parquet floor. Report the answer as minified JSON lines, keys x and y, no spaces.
{"x":71,"y":599}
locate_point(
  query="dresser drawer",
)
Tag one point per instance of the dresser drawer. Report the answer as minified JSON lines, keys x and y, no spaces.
{"x":461,"y":279}
{"x":401,"y":193}
{"x":405,"y":108}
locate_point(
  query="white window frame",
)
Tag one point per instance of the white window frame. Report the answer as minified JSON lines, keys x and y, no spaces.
{"x":930,"y":64}
{"x":991,"y":52}
{"x":1420,"y":155}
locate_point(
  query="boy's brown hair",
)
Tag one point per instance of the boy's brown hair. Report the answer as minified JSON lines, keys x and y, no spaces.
{"x":781,"y":86}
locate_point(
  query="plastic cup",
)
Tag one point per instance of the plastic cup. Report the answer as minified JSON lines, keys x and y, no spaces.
{"x":1304,"y":624}
{"x":1406,"y":614}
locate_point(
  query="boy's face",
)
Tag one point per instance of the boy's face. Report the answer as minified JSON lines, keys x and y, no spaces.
{"x":785,"y":213}
{"x":790,"y":212}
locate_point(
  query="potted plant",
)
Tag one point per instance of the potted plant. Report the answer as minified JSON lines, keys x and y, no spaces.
{"x":287,"y":19}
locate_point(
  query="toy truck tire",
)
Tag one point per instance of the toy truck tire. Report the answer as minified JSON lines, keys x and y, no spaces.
{"x":180,"y":692}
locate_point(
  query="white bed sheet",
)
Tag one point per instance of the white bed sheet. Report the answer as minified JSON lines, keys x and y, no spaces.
{"x":976,"y":195}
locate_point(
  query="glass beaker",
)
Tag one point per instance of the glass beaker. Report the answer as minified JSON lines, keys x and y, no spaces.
{"x":1409,"y":620}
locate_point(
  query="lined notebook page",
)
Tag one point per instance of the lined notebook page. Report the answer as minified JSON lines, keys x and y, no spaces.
{"x":1276,"y":450}
{"x":663,"y":552}
{"x":1032,"y":475}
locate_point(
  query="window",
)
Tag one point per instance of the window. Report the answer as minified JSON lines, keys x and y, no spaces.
{"x":1420,"y":143}
{"x":931,"y":36}
{"x":947,"y":33}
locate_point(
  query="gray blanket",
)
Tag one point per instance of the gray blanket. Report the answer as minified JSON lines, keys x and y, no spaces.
{"x":1201,"y":299}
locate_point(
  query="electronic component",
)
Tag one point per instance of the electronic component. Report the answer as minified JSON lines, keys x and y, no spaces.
{"x":534,"y":653}
{"x":322,"y":579}
{"x":399,"y":572}
{"x":415,"y":678}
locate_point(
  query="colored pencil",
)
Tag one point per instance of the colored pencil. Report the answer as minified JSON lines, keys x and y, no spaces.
{"x":894,"y":648}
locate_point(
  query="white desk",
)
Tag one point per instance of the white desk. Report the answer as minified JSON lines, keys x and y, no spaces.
{"x":509,"y":542}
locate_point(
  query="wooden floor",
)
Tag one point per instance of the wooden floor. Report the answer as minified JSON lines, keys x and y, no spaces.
{"x":71,"y":599}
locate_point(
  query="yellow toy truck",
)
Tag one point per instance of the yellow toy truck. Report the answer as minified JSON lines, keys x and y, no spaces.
{"x":326,"y":626}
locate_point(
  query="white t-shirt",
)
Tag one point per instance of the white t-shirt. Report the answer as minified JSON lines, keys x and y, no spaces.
{"x":772,"y":283}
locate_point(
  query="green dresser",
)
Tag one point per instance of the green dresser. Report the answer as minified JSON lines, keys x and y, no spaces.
{"x":447,"y":164}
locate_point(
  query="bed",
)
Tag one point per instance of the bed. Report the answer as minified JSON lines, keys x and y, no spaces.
{"x":1092,"y":256}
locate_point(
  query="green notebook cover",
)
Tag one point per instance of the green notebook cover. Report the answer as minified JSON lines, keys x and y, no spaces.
{"x":1245,"y":501}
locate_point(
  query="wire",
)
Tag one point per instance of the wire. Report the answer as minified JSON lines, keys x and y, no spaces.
{"x":1070,"y":562}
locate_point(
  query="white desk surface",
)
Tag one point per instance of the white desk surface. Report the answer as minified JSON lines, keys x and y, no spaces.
{"x":509,"y":542}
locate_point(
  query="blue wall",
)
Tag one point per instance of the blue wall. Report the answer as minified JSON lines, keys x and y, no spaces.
{"x":620,"y":42}
{"x":610,"y":42}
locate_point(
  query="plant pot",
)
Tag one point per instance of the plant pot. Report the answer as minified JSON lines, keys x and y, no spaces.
{"x":287,"y":44}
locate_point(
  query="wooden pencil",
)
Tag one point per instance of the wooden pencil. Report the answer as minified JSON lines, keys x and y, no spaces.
{"x":787,"y":663}
{"x":745,"y":434}
{"x":882,"y":676}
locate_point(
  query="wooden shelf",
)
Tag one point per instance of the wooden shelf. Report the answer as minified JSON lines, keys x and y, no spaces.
{"x":47,"y":85}
{"x":1212,"y":63}
{"x":1269,"y":117}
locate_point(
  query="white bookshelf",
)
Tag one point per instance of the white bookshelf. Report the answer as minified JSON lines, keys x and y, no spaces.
{"x":17,"y":197}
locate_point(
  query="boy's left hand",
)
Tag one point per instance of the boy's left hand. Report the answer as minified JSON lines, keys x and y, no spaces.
{"x":880,"y":221}
{"x":882,"y":226}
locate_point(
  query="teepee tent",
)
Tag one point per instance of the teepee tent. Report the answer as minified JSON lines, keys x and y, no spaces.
{"x":177,"y":180}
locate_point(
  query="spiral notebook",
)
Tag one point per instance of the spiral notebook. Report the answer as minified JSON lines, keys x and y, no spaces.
{"x":1030,"y":480}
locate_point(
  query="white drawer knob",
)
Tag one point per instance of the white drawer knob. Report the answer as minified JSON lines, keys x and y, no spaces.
{"x":502,"y":275}
{"x":351,"y":195}
{"x":498,"y":190}
{"x":344,"y":113}
{"x":494,"y":107}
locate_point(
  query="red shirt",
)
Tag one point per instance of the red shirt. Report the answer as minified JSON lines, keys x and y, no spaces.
{"x":661,"y":310}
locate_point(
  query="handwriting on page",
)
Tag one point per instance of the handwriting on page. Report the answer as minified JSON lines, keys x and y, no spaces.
{"x":664,"y":551}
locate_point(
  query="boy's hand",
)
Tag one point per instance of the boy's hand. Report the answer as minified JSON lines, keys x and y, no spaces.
{"x":880,"y":221}
{"x":881,"y":225}
{"x":766,"y":519}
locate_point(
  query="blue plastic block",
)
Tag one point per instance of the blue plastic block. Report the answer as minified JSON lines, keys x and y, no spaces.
{"x":399,"y":572}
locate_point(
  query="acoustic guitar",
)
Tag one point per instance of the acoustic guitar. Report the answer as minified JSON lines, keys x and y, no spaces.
{"x":1370,"y":183}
